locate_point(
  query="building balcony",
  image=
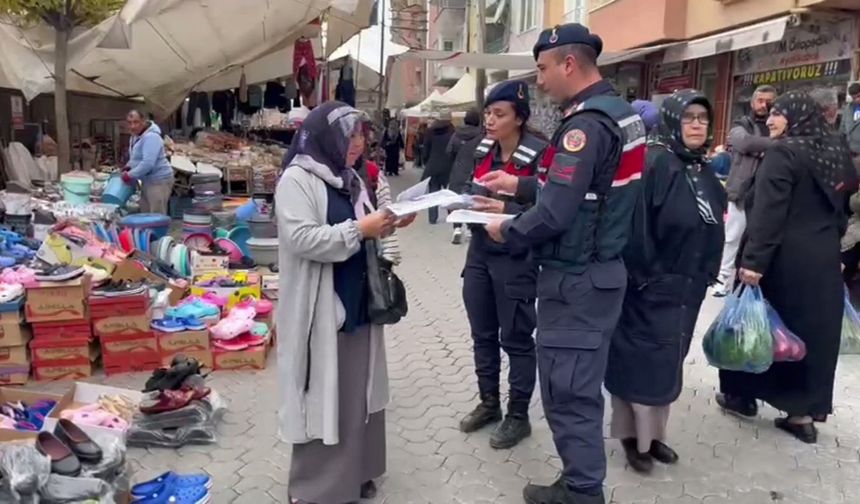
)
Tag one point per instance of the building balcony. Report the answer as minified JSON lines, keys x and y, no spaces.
{"x":446,"y":76}
{"x":625,"y":24}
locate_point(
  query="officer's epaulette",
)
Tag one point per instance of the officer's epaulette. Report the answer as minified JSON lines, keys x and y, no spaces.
{"x":484,"y":147}
{"x":528,"y":150}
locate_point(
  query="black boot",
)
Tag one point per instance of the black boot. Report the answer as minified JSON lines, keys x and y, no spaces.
{"x":368,"y":490}
{"x":639,"y":462}
{"x":737,"y":405}
{"x":489,"y":411}
{"x":662,"y":453}
{"x":510,"y":432}
{"x":558,"y":493}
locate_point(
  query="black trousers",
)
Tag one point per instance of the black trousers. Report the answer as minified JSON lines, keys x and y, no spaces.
{"x":499,"y":293}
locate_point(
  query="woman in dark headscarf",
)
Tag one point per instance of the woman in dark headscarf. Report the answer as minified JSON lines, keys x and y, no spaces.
{"x":795,"y":219}
{"x":331,"y":359}
{"x":673,"y":255}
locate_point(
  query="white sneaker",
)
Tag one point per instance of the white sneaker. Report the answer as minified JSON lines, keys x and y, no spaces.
{"x":458,"y":236}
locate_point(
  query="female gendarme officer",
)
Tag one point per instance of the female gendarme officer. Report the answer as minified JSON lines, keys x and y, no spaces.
{"x":499,"y":283}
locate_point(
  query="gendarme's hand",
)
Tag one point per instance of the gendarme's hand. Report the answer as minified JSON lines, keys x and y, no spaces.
{"x":749,"y":277}
{"x":500,"y":182}
{"x":494,"y":229}
{"x":489,"y":205}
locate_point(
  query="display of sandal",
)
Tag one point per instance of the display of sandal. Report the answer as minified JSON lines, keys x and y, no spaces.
{"x":78,"y":442}
{"x":173,"y":377}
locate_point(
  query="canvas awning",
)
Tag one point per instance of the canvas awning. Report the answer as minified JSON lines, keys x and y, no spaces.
{"x":177,"y":45}
{"x":749,"y":36}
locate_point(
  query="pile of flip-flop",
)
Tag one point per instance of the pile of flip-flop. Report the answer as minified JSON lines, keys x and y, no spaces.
{"x":239,"y":330}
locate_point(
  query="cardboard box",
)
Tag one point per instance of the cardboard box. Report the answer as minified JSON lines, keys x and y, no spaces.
{"x":13,"y":311}
{"x":15,"y":356}
{"x":183,"y":342}
{"x":74,"y":329}
{"x":15,"y":334}
{"x":204,"y":357}
{"x":125,"y":325}
{"x":15,"y":395}
{"x":252,"y":358}
{"x":133,"y":363}
{"x":48,"y":352}
{"x":202,"y":263}
{"x":58,"y":301}
{"x":130,"y":271}
{"x":57,"y":372}
{"x":126,"y":306}
{"x":81,"y":394}
{"x":128,"y":345}
{"x":270,"y":282}
{"x":14,"y":374}
{"x":233,"y":294}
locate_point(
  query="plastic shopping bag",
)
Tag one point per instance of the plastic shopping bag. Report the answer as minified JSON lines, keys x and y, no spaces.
{"x":787,"y":347}
{"x":850,"y":343}
{"x":740,"y":339}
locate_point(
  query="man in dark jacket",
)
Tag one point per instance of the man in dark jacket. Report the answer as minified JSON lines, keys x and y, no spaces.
{"x":461,"y":148}
{"x":437,"y":160}
{"x":749,"y":138}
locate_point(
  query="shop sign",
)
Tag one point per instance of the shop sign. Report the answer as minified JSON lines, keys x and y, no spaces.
{"x":820,"y":40}
{"x":17,"y":103}
{"x":797,"y":73}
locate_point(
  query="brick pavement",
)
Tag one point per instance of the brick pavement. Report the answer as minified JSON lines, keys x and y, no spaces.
{"x":723,"y":459}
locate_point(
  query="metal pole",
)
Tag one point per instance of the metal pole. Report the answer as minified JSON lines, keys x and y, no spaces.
{"x":381,"y":15}
{"x":480,"y":73}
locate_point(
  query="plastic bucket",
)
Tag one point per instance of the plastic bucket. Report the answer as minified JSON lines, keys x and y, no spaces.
{"x":116,"y":191}
{"x":77,"y":187}
{"x":158,"y":224}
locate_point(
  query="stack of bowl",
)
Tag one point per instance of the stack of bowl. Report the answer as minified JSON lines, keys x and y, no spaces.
{"x":196,"y":223}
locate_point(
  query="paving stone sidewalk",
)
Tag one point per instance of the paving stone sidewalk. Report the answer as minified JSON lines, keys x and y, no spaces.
{"x":723,"y":459}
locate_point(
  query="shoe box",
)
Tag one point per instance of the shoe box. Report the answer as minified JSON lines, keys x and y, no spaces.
{"x":130,"y":271}
{"x":14,"y":395}
{"x":71,"y":329}
{"x":250,"y":358}
{"x":81,"y":394}
{"x":130,"y":353}
{"x":118,"y":307}
{"x":63,"y":359}
{"x":15,"y":334}
{"x":233,"y":294}
{"x":190,"y":343}
{"x":57,"y":301}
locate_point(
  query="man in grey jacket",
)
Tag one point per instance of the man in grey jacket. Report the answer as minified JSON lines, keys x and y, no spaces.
{"x":748,"y":139}
{"x":851,"y":121}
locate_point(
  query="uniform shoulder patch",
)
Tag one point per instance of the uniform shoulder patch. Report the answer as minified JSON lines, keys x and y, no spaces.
{"x":574,"y":140}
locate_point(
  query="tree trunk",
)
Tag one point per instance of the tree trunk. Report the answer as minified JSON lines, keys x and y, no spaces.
{"x":61,"y":110}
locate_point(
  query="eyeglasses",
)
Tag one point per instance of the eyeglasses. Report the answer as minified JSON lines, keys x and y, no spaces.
{"x":689,"y":118}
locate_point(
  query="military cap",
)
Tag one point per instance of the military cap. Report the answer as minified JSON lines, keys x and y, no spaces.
{"x":514,"y":91}
{"x":570,"y":33}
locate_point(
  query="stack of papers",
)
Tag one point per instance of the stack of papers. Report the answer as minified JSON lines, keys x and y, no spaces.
{"x":416,"y":198}
{"x":473,"y":217}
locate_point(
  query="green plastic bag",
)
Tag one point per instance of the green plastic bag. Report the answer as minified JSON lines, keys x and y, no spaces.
{"x":850,"y":343}
{"x":740,"y":338}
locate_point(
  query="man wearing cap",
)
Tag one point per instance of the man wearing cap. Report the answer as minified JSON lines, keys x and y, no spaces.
{"x":498,"y":281}
{"x":577,"y":230}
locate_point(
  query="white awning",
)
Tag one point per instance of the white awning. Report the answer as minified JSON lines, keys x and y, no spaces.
{"x":461,"y":93}
{"x":612,"y":58}
{"x":501,"y":61}
{"x":749,"y":36}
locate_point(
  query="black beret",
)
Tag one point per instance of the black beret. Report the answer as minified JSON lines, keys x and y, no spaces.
{"x":570,"y":33}
{"x":514,"y":91}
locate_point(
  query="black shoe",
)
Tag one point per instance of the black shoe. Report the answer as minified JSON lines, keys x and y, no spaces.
{"x":487,"y":412}
{"x":78,"y":441}
{"x":662,"y":453}
{"x":804,"y":432}
{"x":558,"y":493}
{"x":639,"y":462}
{"x":368,"y":490}
{"x":510,"y":432}
{"x":737,"y":405}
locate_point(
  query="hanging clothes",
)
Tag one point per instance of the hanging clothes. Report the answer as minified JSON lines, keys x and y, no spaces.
{"x":274,"y":97}
{"x":255,"y":97}
{"x":224,"y":102}
{"x":303,"y":55}
{"x":243,"y":88}
{"x":198,"y":102}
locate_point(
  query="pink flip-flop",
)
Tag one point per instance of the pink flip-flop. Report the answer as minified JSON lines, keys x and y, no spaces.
{"x":231,"y":327}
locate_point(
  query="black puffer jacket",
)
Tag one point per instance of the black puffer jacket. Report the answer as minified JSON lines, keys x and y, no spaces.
{"x":461,"y":148}
{"x":437,"y":161}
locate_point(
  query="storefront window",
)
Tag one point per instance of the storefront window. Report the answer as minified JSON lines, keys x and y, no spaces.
{"x":626,"y":78}
{"x":708,"y":78}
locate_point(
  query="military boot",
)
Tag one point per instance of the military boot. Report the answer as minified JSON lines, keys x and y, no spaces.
{"x":514,"y":428}
{"x":489,"y":411}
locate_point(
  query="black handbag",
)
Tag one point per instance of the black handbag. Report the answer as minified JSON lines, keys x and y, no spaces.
{"x":386,"y":294}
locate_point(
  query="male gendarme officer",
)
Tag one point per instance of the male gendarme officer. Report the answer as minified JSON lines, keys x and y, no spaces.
{"x":577,"y":230}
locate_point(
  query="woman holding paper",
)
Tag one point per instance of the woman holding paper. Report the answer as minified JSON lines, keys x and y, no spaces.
{"x":499,"y":283}
{"x":333,"y":384}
